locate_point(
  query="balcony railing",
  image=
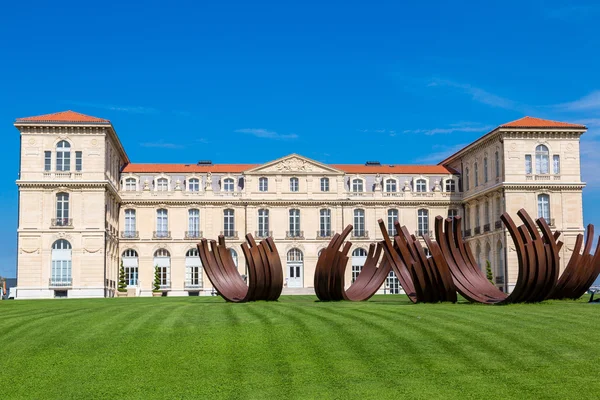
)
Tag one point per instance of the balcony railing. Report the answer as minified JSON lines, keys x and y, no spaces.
{"x":486,"y":227}
{"x":60,"y":282}
{"x":62,"y":222}
{"x":161,"y":235}
{"x":166,"y":285}
{"x":325,"y":234}
{"x":193,"y":284}
{"x":550,"y":221}
{"x":262,"y":233}
{"x":230,"y":234}
{"x":360,"y":234}
{"x":294,"y":234}
{"x":193,"y":234}
{"x":477,"y":230}
{"x":499,"y":280}
{"x":130,"y":234}
{"x":467,"y":232}
{"x":423,"y":232}
{"x":498,"y":225}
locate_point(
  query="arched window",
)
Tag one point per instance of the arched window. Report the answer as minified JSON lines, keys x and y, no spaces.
{"x":60,"y":274}
{"x":325,"y":223}
{"x":392,"y":284}
{"x":131,"y":266}
{"x":450,"y":186}
{"x":467,"y":179}
{"x":392,"y":217}
{"x":193,"y":270}
{"x":497,"y":160}
{"x":544,"y":207}
{"x":130,"y":185}
{"x":162,"y":184}
{"x":390,"y":185}
{"x":324,"y":184}
{"x":295,"y":267}
{"x":421,"y":185}
{"x":228,"y":185}
{"x":359,"y":256}
{"x":422,"y":222}
{"x":541,"y":159}
{"x":263,"y":184}
{"x":294,"y":217}
{"x":357,"y":185}
{"x":193,"y":224}
{"x":62,"y":210}
{"x":162,"y":223}
{"x":359,"y":223}
{"x":63,"y":156}
{"x":162,"y":261}
{"x":476,"y":173}
{"x":234,"y":256}
{"x":194,"y":185}
{"x":130,"y":224}
{"x":485,"y":169}
{"x":294,"y":185}
{"x":229,"y":223}
{"x":263,"y":223}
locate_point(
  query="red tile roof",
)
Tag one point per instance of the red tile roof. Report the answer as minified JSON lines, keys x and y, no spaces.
{"x":237,"y":168}
{"x":531,"y":122}
{"x":64,"y":116}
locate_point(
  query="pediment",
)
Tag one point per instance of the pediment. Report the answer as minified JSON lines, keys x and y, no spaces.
{"x":294,"y":164}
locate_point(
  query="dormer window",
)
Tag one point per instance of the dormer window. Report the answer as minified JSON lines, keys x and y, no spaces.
{"x":162,"y":184}
{"x":450,"y":186}
{"x":194,"y":185}
{"x":228,"y":185}
{"x":130,"y":185}
{"x":357,"y":185}
{"x":421,"y":185}
{"x":390,"y":185}
{"x":263,"y":184}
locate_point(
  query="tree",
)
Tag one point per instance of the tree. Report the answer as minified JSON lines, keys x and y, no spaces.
{"x":156,"y":287}
{"x":122,"y":280}
{"x":488,"y":271}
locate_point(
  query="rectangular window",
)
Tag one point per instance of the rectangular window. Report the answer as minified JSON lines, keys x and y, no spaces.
{"x":325,"y":223}
{"x":528,"y":166}
{"x":78,"y":161}
{"x":47,"y":161}
{"x":228,"y":223}
{"x":194,"y":223}
{"x":485,"y":170}
{"x":497,"y":165}
{"x":556,"y":163}
{"x":324,"y":184}
{"x":392,"y":218}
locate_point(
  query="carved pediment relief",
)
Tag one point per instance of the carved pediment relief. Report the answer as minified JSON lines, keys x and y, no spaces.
{"x":294,"y":164}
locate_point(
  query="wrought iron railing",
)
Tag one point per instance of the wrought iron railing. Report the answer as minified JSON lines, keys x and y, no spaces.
{"x":498,"y":225}
{"x":294,"y":234}
{"x":486,"y":227}
{"x":193,"y":284}
{"x":325,"y":234}
{"x":263,"y":233}
{"x":360,"y":234}
{"x":477,"y":230}
{"x":161,"y":235}
{"x":60,"y":282}
{"x":62,"y":222}
{"x":130,"y":234}
{"x":193,"y":234}
{"x":467,"y":232}
{"x":423,"y":232}
{"x":230,"y":234}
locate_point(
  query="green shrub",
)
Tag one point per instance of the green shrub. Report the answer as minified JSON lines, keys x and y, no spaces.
{"x":156,"y":286}
{"x":488,"y":271}
{"x":122,"y":282}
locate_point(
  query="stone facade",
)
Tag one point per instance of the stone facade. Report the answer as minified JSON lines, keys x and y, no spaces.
{"x":149,"y":215}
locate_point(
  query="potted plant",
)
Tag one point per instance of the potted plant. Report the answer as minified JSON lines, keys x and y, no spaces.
{"x":488,"y":271}
{"x":156,"y":292}
{"x":122,"y":288}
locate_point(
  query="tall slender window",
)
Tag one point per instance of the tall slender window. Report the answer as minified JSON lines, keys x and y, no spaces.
{"x":325,"y":223}
{"x":556,"y":163}
{"x":263,"y":223}
{"x":359,"y":222}
{"x":63,"y":156}
{"x":263,"y":184}
{"x":228,"y":185}
{"x":477,"y":216}
{"x":498,"y":207}
{"x":467,"y":218}
{"x":294,"y":185}
{"x":130,"y":184}
{"x":162,"y":184}
{"x":487,"y":212}
{"x":390,"y":185}
{"x":497,"y":159}
{"x":452,"y":213}
{"x":194,"y":223}
{"x":359,"y":256}
{"x":324,"y":184}
{"x":421,"y":185}
{"x":194,"y":185}
{"x":422,"y":222}
{"x":62,"y":209}
{"x":130,"y":225}
{"x":467,"y":179}
{"x":78,"y":161}
{"x":193,"y":269}
{"x":294,"y":215}
{"x":357,"y":185}
{"x":47,"y":161}
{"x":541,"y":160}
{"x":528,"y":166}
{"x":162,"y":260}
{"x":130,"y":265}
{"x":392,"y":216}
{"x":485,"y":170}
{"x":476,"y":173}
{"x":450,"y":185}
{"x":228,"y":223}
{"x":61,"y":263}
{"x":162,"y":223}
{"x":544,"y":207}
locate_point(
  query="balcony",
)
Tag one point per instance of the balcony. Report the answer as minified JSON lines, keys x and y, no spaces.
{"x":261,"y":234}
{"x":161,"y":235}
{"x":542,"y":177}
{"x":325,"y":234}
{"x":60,"y":282}
{"x":393,"y":194}
{"x":467,"y":232}
{"x":423,"y":194}
{"x":294,"y":234}
{"x":61,"y":223}
{"x":486,"y":227}
{"x":499,"y":280}
{"x":130,"y":234}
{"x":194,"y":284}
{"x":498,"y":225}
{"x":193,"y":235}
{"x":230,"y":234}
{"x":62,"y":174}
{"x":360,"y":234}
{"x":477,"y":230}
{"x":423,"y":232}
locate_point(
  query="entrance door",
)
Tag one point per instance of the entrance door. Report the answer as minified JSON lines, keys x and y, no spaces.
{"x":392,"y":283}
{"x":295,"y":268}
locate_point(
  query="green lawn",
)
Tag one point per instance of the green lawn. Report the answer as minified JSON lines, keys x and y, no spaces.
{"x":202,"y":347}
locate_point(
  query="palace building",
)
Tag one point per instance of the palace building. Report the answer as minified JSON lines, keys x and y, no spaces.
{"x":85,"y":208}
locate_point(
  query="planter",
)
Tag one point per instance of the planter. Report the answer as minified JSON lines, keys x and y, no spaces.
{"x":121,"y":294}
{"x":156,"y":294}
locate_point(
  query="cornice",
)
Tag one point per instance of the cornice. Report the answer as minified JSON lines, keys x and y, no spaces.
{"x":288,"y":203}
{"x":79,"y":184}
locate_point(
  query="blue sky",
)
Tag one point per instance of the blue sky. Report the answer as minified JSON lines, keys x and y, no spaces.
{"x":341,"y":82}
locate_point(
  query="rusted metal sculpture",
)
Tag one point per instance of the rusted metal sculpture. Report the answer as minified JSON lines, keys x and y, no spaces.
{"x":331,"y":267}
{"x":581,"y":271}
{"x":424,"y":279}
{"x":265,"y":274}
